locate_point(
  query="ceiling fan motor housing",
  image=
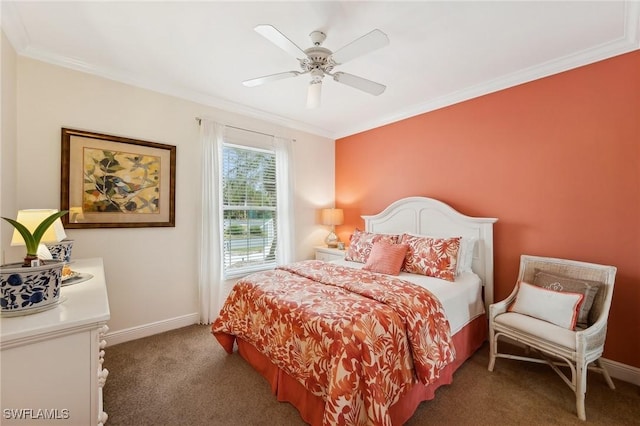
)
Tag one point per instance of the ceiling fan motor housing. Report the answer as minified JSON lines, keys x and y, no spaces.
{"x":317,"y":58}
{"x":317,"y":37}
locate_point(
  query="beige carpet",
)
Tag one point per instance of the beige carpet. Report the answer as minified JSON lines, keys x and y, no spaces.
{"x":183,"y":377}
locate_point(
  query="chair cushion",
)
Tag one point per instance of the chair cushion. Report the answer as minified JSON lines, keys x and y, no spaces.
{"x":559,"y":308}
{"x":538,"y":328}
{"x":563,"y":283}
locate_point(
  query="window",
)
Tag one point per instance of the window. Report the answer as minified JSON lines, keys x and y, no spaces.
{"x":249,"y":209}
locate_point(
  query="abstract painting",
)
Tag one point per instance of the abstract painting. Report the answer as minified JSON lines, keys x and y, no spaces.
{"x":112,"y":181}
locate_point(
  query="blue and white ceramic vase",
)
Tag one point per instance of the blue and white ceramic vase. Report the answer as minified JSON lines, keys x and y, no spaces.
{"x":61,"y":251}
{"x":26,"y":290}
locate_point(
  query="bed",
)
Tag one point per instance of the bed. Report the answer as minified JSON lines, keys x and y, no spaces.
{"x":345,"y":345}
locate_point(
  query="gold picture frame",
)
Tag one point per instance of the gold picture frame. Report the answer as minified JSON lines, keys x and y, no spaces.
{"x":116,"y":182}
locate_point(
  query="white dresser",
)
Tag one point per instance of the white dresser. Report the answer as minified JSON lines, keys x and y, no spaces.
{"x":51,"y":362}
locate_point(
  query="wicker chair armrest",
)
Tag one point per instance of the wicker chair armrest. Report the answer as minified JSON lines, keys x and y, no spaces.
{"x":501,"y":307}
{"x":594,"y":336}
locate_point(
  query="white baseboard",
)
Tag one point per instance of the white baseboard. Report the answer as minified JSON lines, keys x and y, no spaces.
{"x":621,"y":371}
{"x":138,"y":332}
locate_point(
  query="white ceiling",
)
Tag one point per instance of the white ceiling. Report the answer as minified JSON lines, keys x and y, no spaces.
{"x":440,"y":53}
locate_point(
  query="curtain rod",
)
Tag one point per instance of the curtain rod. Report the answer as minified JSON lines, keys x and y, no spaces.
{"x":199,"y":120}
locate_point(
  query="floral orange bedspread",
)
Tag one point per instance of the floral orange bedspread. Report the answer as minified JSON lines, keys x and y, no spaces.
{"x":355,"y":338}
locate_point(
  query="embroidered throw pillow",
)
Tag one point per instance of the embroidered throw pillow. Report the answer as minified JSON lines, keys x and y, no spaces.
{"x":556,"y":307}
{"x":566,"y":284}
{"x":361,"y":242}
{"x":434,"y":257}
{"x":386,"y":258}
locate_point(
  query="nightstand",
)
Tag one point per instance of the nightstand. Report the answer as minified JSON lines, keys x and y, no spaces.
{"x":328,"y":254}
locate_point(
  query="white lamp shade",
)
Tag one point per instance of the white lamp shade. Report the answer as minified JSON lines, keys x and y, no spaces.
{"x":332,"y":217}
{"x":31,"y":218}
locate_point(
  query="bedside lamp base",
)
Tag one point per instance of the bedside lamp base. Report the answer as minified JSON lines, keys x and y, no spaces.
{"x":332,"y":240}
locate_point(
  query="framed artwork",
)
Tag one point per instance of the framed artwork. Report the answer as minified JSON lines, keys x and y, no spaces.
{"x":116,"y":182}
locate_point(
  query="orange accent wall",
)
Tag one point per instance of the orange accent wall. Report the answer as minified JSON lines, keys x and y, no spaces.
{"x":556,"y":160}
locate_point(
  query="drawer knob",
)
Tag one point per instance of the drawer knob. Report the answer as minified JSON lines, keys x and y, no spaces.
{"x":102,"y":377}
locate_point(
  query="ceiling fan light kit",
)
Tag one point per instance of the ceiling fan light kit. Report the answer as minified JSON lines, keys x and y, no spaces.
{"x":313,"y":94}
{"x":318,"y":61}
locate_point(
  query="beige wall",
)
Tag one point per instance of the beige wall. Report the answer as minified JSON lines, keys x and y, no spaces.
{"x":8,"y":146}
{"x":151,"y":272}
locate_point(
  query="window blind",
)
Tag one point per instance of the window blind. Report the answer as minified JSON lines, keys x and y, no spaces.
{"x":249,"y":203}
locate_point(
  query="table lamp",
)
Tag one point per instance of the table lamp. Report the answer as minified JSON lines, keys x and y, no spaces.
{"x":332,"y":217}
{"x":31,"y":218}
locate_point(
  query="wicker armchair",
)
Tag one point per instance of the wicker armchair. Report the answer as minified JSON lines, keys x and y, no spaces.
{"x":578,"y":349}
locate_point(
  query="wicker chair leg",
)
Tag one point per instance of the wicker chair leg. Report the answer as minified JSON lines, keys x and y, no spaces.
{"x":605,"y":373}
{"x":493,"y":349}
{"x":581,"y":389}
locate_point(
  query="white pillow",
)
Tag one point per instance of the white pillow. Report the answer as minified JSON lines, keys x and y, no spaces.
{"x":559,"y":308}
{"x":465,"y":254}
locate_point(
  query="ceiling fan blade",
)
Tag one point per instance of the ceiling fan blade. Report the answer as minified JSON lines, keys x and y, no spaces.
{"x":276,"y":37}
{"x":365,"y":44}
{"x":268,"y":78}
{"x":359,"y":83}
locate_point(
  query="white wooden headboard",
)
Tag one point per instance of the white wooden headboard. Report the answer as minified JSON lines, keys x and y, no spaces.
{"x":427,"y":216}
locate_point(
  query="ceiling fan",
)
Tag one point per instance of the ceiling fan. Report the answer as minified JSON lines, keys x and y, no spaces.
{"x":319,"y":61}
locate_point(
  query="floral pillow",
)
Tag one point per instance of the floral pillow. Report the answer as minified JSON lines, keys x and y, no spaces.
{"x":434,"y":257}
{"x":361,"y":243}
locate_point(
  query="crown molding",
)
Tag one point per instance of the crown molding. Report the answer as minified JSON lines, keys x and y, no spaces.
{"x":170,"y":90}
{"x":18,"y":37}
{"x":12,"y":27}
{"x":629,"y":42}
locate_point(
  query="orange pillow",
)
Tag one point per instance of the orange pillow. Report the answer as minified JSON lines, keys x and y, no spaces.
{"x":386,"y":258}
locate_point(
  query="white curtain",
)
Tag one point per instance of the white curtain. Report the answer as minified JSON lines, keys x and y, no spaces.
{"x":210,"y":278}
{"x":285,"y":191}
{"x":211,"y":282}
